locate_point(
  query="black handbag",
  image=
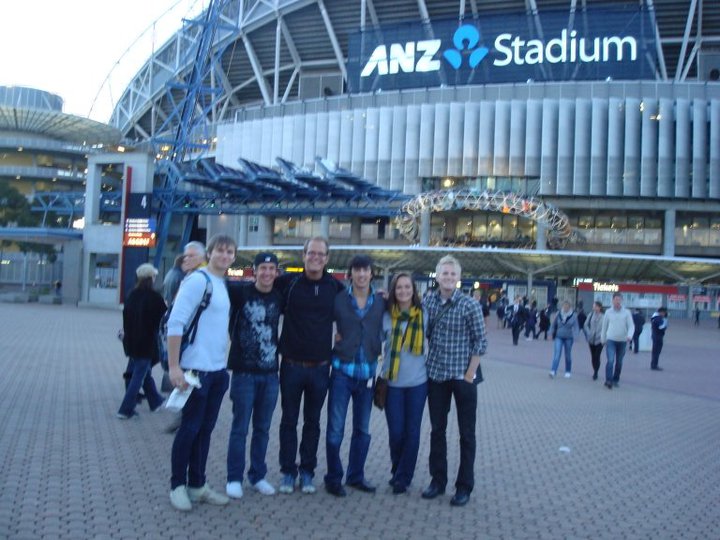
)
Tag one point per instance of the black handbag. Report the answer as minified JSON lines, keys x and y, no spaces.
{"x":380,"y":393}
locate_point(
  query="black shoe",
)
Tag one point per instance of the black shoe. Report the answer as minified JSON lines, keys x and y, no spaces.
{"x":609,"y":385}
{"x":398,"y":489}
{"x":656,"y":368}
{"x":594,"y":376}
{"x":432,"y":491}
{"x":363,"y":486}
{"x":336,"y":490}
{"x":460,"y":498}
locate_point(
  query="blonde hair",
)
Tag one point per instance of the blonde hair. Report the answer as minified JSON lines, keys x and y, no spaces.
{"x":448,"y":259}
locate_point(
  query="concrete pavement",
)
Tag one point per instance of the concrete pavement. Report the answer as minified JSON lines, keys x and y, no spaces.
{"x":556,"y":458}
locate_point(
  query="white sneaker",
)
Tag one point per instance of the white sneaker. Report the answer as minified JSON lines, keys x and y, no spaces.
{"x":552,"y":374}
{"x":567,"y":375}
{"x":264,"y":487}
{"x":206,"y":495}
{"x":179,"y":499}
{"x":234,"y":490}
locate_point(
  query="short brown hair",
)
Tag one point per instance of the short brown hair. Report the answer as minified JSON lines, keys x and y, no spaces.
{"x":221,"y":240}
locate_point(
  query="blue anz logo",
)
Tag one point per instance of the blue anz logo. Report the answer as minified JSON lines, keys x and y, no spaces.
{"x":466,"y":38}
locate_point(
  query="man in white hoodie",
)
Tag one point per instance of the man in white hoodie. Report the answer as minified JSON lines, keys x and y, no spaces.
{"x":617,"y":332}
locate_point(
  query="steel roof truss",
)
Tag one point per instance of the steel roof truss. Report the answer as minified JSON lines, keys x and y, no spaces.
{"x":257,"y":70}
{"x":333,"y":39}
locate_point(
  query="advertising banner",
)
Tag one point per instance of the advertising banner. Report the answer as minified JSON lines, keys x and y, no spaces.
{"x":592,"y":44}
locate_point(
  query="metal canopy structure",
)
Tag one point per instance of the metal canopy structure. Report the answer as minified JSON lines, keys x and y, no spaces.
{"x":251,"y":189}
{"x":515,"y":263}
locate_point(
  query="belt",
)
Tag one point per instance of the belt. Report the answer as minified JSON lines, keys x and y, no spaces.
{"x":305,"y":364}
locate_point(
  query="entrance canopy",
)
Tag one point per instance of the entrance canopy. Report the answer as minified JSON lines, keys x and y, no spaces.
{"x":515,"y":263}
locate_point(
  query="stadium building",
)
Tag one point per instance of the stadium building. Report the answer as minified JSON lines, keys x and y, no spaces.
{"x":608,"y":112}
{"x":44,"y":151}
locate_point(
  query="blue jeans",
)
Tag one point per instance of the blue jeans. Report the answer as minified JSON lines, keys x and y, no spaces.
{"x":404,"y":411}
{"x":615,"y":351}
{"x":140,"y":377}
{"x":439,"y":397}
{"x":309,"y":385}
{"x":342,"y":388}
{"x":192,"y":440}
{"x":253,"y":395}
{"x":560,"y":344}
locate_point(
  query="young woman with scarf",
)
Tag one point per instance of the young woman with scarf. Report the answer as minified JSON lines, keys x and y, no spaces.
{"x":404,"y":369}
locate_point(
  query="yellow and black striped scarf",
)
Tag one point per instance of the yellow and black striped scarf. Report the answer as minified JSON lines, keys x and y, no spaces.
{"x":411,"y":340}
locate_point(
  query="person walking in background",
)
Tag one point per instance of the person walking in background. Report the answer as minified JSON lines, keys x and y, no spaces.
{"x":456,"y":341}
{"x":564,"y":329}
{"x":404,"y":368}
{"x":531,"y":322}
{"x":358,"y":344}
{"x":593,"y":333}
{"x":255,"y":315}
{"x":581,"y":315}
{"x":500,"y":312}
{"x":518,"y":315}
{"x":638,"y":320}
{"x":143,"y":309}
{"x":696,"y":315}
{"x":172,"y":280}
{"x":306,"y":349}
{"x":659,"y":325}
{"x":544,"y":324}
{"x":617,"y":332}
{"x":206,"y":357}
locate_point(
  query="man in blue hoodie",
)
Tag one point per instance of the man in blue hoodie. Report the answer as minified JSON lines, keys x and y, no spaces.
{"x":659,"y":325}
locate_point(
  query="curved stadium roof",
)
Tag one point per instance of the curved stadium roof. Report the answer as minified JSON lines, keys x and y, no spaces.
{"x":314,"y":36}
{"x":32,"y":111}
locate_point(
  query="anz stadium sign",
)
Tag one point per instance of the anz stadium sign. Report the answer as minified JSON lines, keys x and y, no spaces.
{"x":593,"y":44}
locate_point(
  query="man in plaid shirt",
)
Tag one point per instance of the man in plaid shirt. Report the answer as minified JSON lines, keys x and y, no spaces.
{"x":457,"y":339}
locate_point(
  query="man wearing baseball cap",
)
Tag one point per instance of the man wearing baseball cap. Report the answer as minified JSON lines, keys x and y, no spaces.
{"x":254,"y":318}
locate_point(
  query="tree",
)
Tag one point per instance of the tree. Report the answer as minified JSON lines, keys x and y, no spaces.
{"x":15,"y":210}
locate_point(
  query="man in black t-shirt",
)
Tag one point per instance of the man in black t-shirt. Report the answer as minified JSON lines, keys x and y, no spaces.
{"x":306,"y":349}
{"x":253,"y":360}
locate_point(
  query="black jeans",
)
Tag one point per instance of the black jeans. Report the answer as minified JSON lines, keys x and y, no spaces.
{"x":595,"y":351}
{"x":657,"y":345}
{"x":516,"y":329}
{"x":309,"y":386}
{"x":439,"y":396}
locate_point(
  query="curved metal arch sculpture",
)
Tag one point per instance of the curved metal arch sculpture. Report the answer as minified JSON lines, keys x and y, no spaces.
{"x":559,"y":231}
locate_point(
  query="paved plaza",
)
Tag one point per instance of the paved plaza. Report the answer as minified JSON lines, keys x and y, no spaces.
{"x":556,"y":458}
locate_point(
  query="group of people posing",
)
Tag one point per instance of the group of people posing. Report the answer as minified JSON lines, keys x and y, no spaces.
{"x":335,"y":340}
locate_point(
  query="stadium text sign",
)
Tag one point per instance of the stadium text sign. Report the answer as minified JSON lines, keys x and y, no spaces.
{"x":412,"y":55}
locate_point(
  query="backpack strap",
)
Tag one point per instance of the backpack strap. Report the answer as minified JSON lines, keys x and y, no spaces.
{"x":204,"y":303}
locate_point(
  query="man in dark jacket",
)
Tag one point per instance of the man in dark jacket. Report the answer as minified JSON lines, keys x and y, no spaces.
{"x":518,"y":317}
{"x":306,"y":349}
{"x":358,"y":315}
{"x":659,"y":325}
{"x":144,"y":307}
{"x":638,"y":321}
{"x":253,"y":360}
